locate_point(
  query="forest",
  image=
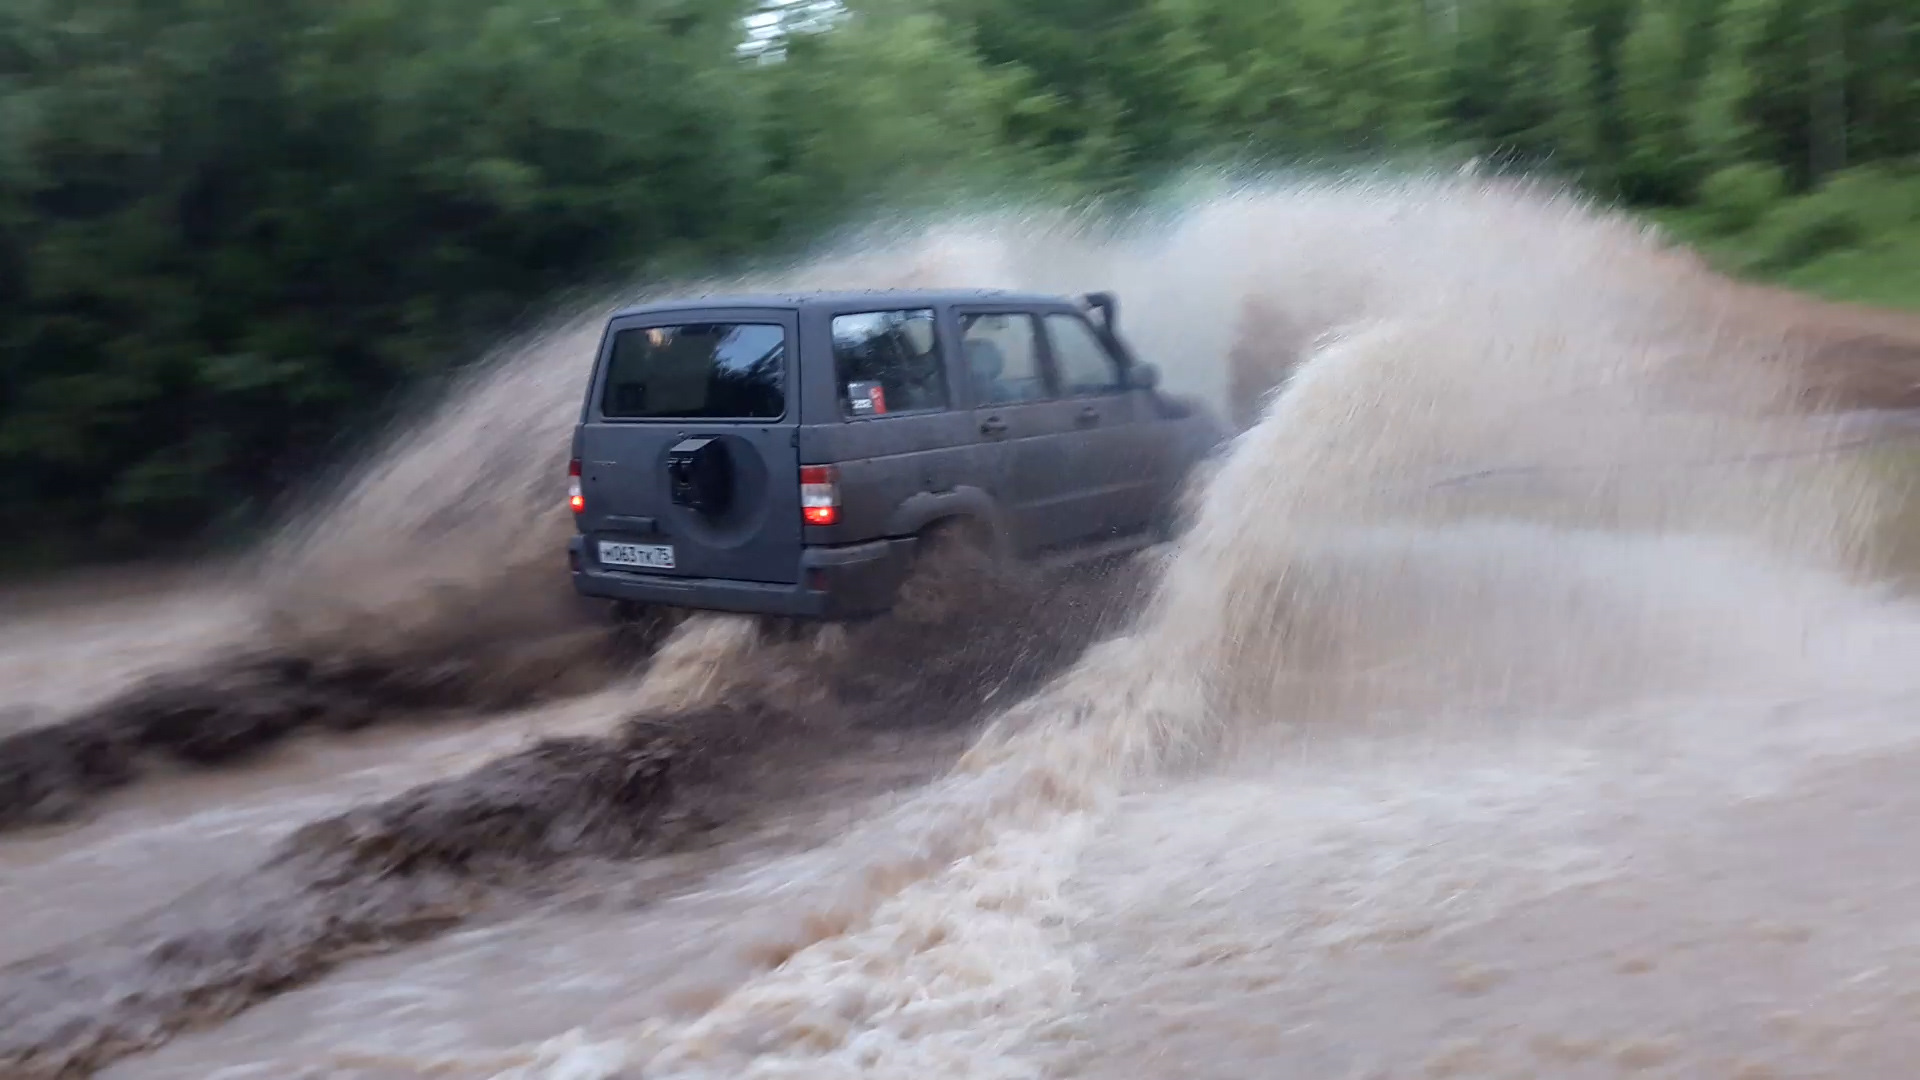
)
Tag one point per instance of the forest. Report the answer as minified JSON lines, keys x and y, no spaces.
{"x":233,"y":234}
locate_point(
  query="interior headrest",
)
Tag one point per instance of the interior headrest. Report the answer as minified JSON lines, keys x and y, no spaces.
{"x":985,"y":359}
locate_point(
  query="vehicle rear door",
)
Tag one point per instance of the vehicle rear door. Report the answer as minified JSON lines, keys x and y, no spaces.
{"x":1116,"y":469}
{"x":891,"y":422}
{"x":1017,"y":410}
{"x":687,"y":446}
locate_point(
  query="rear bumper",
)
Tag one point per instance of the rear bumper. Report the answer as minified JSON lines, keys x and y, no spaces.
{"x":835,"y":583}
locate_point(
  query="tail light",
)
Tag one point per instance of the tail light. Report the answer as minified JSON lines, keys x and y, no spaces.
{"x":575,"y":499}
{"x":820,"y":494}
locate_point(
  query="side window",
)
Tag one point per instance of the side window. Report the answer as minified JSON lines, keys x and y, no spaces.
{"x":1086,"y":367}
{"x":1003,"y":358}
{"x":888,"y":362}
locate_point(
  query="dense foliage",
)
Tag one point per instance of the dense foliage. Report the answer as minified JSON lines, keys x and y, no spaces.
{"x":231,"y":232}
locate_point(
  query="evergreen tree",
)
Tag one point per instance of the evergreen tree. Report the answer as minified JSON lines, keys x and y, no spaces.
{"x":1654,"y":95}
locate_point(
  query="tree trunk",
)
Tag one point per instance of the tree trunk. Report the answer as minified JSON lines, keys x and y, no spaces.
{"x":1827,"y":67}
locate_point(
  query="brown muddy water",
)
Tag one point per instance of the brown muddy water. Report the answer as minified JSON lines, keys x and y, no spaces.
{"x":1522,"y":700}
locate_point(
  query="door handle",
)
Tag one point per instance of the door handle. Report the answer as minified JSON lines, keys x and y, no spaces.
{"x":1088,"y":416}
{"x":993,"y":425}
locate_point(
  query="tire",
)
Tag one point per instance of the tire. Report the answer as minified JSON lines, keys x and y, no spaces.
{"x":642,"y":628}
{"x":958,"y":534}
{"x":951,"y":557}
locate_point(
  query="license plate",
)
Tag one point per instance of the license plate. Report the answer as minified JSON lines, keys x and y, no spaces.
{"x":642,"y":556}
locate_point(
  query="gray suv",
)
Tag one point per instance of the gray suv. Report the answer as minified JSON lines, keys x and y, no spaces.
{"x":784,"y":455}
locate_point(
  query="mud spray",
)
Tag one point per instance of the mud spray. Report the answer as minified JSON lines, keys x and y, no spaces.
{"x":1655,"y":524}
{"x":1530,"y":527}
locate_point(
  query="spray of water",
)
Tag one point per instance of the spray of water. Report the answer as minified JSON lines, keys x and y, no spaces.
{"x":449,"y":533}
{"x":1528,"y":467}
{"x":1508,"y":466}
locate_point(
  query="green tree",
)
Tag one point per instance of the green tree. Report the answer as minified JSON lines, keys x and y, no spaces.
{"x":1719,"y":119}
{"x":236,"y":231}
{"x":886,"y":105}
{"x":1505,"y":80}
{"x":1655,"y":92}
{"x":231,"y":232}
{"x":1306,"y":77}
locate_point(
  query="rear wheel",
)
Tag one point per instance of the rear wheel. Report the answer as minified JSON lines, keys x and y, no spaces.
{"x":643,"y":627}
{"x":961,"y":536}
{"x":952,"y":559}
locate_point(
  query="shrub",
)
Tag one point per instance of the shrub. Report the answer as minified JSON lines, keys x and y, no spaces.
{"x":1736,"y":198}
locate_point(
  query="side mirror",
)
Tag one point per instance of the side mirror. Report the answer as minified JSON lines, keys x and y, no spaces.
{"x":1143,"y":376}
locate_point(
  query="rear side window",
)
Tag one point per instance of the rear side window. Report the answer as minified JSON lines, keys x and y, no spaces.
{"x":1003,"y":359}
{"x":704,"y":371}
{"x":888,"y":362}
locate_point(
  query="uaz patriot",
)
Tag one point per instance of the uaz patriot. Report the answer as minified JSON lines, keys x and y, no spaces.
{"x":786,"y":455}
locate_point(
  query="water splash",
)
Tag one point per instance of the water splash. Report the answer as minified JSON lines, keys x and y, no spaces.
{"x":1531,"y":478}
{"x":1528,"y":467}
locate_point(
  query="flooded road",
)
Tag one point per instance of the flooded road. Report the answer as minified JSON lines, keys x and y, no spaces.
{"x":1523,"y":699}
{"x":63,"y":649}
{"x":1763,"y":935}
{"x":186,"y":829}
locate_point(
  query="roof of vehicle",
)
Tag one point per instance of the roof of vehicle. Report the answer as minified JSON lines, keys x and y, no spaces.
{"x":867,"y":299}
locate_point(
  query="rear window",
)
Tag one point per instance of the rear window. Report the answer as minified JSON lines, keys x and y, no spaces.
{"x":888,"y":362}
{"x":707,"y":371}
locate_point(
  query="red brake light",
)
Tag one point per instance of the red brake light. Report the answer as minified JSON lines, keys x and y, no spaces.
{"x":820,"y":494}
{"x":575,"y":499}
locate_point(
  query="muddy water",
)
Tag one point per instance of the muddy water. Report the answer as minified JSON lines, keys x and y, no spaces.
{"x":62,"y":649}
{"x":186,"y":829}
{"x":1534,"y":932}
{"x":620,"y":946}
{"x":1517,"y":705}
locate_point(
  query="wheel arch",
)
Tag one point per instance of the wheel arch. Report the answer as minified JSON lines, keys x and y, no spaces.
{"x":930,"y":509}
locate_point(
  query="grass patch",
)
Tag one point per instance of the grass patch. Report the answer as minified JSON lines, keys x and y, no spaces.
{"x":1885,"y":274}
{"x":1881,"y":270}
{"x":1854,"y":240}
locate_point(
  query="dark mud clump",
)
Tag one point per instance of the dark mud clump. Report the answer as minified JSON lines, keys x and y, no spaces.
{"x":233,"y":709}
{"x":965,"y":635}
{"x":381,"y":876}
{"x":373,"y":878}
